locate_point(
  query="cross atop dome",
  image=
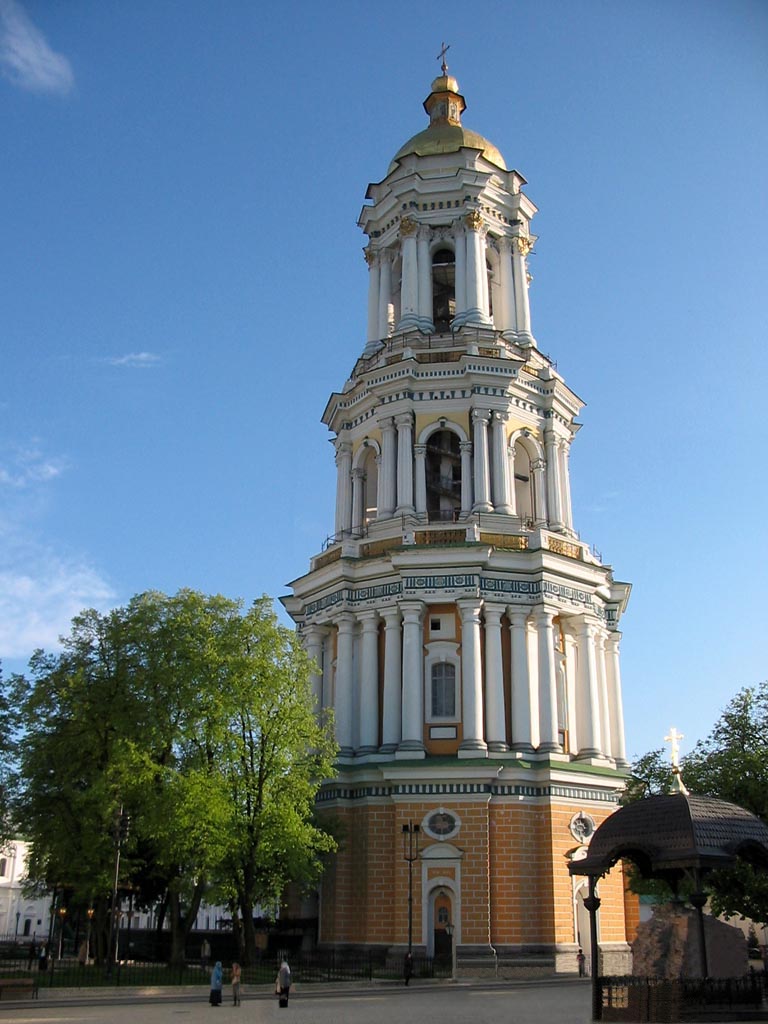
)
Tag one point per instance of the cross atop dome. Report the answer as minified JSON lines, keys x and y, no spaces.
{"x":445,"y":48}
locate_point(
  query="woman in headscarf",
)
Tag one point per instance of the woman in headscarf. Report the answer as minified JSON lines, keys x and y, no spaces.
{"x":217,"y":978}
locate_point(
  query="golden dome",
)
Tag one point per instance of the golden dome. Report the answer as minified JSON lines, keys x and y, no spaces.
{"x":448,"y":138}
{"x":445,"y":133}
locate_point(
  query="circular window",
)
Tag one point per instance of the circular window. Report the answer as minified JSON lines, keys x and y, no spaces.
{"x":441,"y":824}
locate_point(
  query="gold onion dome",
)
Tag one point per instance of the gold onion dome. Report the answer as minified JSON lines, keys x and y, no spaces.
{"x":445,"y":133}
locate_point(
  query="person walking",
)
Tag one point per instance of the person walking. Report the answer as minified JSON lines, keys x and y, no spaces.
{"x":236,"y":973}
{"x":283,"y":983}
{"x":42,"y":959}
{"x":581,"y":960}
{"x":216,"y":983}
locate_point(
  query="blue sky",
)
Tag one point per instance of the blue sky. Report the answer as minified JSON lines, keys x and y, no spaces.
{"x":182,"y":286}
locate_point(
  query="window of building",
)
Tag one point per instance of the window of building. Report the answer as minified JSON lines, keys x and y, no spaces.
{"x":443,"y":289}
{"x":443,"y":690}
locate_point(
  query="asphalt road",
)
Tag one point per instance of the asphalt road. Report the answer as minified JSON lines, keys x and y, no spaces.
{"x":565,"y":1003}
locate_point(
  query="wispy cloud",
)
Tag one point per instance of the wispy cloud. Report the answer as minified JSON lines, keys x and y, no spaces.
{"x":23,"y":466}
{"x":139,"y":360}
{"x":40,"y":593}
{"x":26,"y":58}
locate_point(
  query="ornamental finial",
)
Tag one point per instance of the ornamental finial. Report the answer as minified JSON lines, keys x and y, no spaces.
{"x":441,"y":57}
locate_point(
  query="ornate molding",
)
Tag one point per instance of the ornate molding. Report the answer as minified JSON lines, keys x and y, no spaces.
{"x":522,"y":245}
{"x":408,"y":227}
{"x":473,"y":220}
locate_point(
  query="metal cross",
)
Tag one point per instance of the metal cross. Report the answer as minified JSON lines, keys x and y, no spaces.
{"x":441,"y":56}
{"x":674,"y":739}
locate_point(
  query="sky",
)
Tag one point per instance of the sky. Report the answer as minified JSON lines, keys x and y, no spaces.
{"x":182,"y":286}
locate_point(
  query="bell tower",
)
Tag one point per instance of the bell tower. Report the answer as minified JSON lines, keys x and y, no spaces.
{"x":465,"y":637}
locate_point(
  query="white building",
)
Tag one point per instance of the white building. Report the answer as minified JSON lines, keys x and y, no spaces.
{"x":20,"y":916}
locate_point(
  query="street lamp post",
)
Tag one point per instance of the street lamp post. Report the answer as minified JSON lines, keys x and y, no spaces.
{"x":62,"y":918}
{"x":90,"y":913}
{"x":410,"y":854}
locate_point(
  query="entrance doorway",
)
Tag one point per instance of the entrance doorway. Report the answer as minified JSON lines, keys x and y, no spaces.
{"x":443,"y":942}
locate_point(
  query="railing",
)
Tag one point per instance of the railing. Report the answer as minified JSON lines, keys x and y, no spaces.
{"x":306,"y":968}
{"x":664,"y":999}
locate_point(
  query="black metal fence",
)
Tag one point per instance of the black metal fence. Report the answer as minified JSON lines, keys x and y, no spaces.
{"x":663,"y":999}
{"x":328,"y":966}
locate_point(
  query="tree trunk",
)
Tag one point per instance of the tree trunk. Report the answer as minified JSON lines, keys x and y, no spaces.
{"x":250,"y":953}
{"x":181,"y":923}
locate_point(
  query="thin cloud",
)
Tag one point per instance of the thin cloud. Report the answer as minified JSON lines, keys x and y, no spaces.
{"x":140,"y":360}
{"x":22,"y":467}
{"x":39,"y":599}
{"x":26,"y":58}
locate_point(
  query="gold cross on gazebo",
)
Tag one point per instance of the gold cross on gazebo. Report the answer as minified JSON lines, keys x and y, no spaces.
{"x":674,"y":740}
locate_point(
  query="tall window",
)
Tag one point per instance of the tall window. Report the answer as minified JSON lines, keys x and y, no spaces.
{"x":443,"y":690}
{"x":443,"y":289}
{"x":443,"y":476}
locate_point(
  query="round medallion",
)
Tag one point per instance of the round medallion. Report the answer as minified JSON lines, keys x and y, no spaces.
{"x":582,"y":826}
{"x":441,"y":824}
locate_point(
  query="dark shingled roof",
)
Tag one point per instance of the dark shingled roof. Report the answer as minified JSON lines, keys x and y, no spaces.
{"x":664,"y":835}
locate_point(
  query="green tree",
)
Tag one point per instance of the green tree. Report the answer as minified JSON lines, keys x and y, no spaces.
{"x":195,"y":717}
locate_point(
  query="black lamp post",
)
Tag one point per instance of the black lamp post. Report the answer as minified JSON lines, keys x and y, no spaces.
{"x":410,"y":853}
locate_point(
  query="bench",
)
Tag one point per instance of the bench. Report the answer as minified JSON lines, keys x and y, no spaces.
{"x":20,"y":985}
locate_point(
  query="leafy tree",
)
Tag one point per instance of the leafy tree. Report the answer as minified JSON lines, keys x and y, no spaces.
{"x":194,"y":717}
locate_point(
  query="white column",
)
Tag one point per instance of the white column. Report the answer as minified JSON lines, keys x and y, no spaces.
{"x":602,"y":689}
{"x":471,"y":677}
{"x":520,"y":249}
{"x":548,"y":735}
{"x":387,"y":484}
{"x":564,"y":453}
{"x":413,"y":679}
{"x":373,"y":295}
{"x":358,"y":491}
{"x":521,"y":682}
{"x":314,"y":639}
{"x":329,"y":668}
{"x":404,"y":424}
{"x":510,"y":455}
{"x":369,"y":682}
{"x":345,"y":641}
{"x":385,"y":293}
{"x":466,"y":477}
{"x":495,"y":710}
{"x":476,"y":269}
{"x":589,"y":697}
{"x":500,"y":478}
{"x":460,"y":250}
{"x":613,"y":670}
{"x":553,"y":480}
{"x":480,"y":418}
{"x":420,"y":467}
{"x":409,"y":282}
{"x":391,"y":709}
{"x":504,"y":318}
{"x":343,"y":487}
{"x":538,"y":470}
{"x":425,"y":280}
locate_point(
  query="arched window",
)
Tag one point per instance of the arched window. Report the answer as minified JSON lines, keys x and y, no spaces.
{"x":443,"y":289}
{"x":442,"y":915}
{"x":443,"y":475}
{"x":523,"y":484}
{"x":443,"y":690}
{"x":370,"y":486}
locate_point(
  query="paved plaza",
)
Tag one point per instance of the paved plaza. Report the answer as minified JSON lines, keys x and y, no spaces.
{"x":442,"y":1003}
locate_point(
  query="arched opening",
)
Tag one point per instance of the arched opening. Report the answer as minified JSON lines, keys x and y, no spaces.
{"x":443,"y":289}
{"x":443,"y":475}
{"x":523,"y":485}
{"x":370,"y":486}
{"x":442,"y":917}
{"x":443,"y":690}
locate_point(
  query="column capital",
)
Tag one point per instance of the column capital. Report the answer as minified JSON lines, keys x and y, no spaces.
{"x":314,"y":632}
{"x":470,"y":608}
{"x":408,"y":227}
{"x":613,"y":640}
{"x":420,"y":450}
{"x":424,"y":233}
{"x":342,"y":448}
{"x":481,"y":415}
{"x":404,"y":419}
{"x":505,"y":244}
{"x":391,"y":617}
{"x":473,"y":220}
{"x":368,"y":619}
{"x":522,"y":245}
{"x":412,"y":611}
{"x":517,"y":616}
{"x":346,"y":622}
{"x":465,"y":447}
{"x":544,"y":616}
{"x":358,"y":473}
{"x":499,"y":417}
{"x":538,"y":465}
{"x":370,"y":256}
{"x":493,"y":613}
{"x":386,"y":423}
